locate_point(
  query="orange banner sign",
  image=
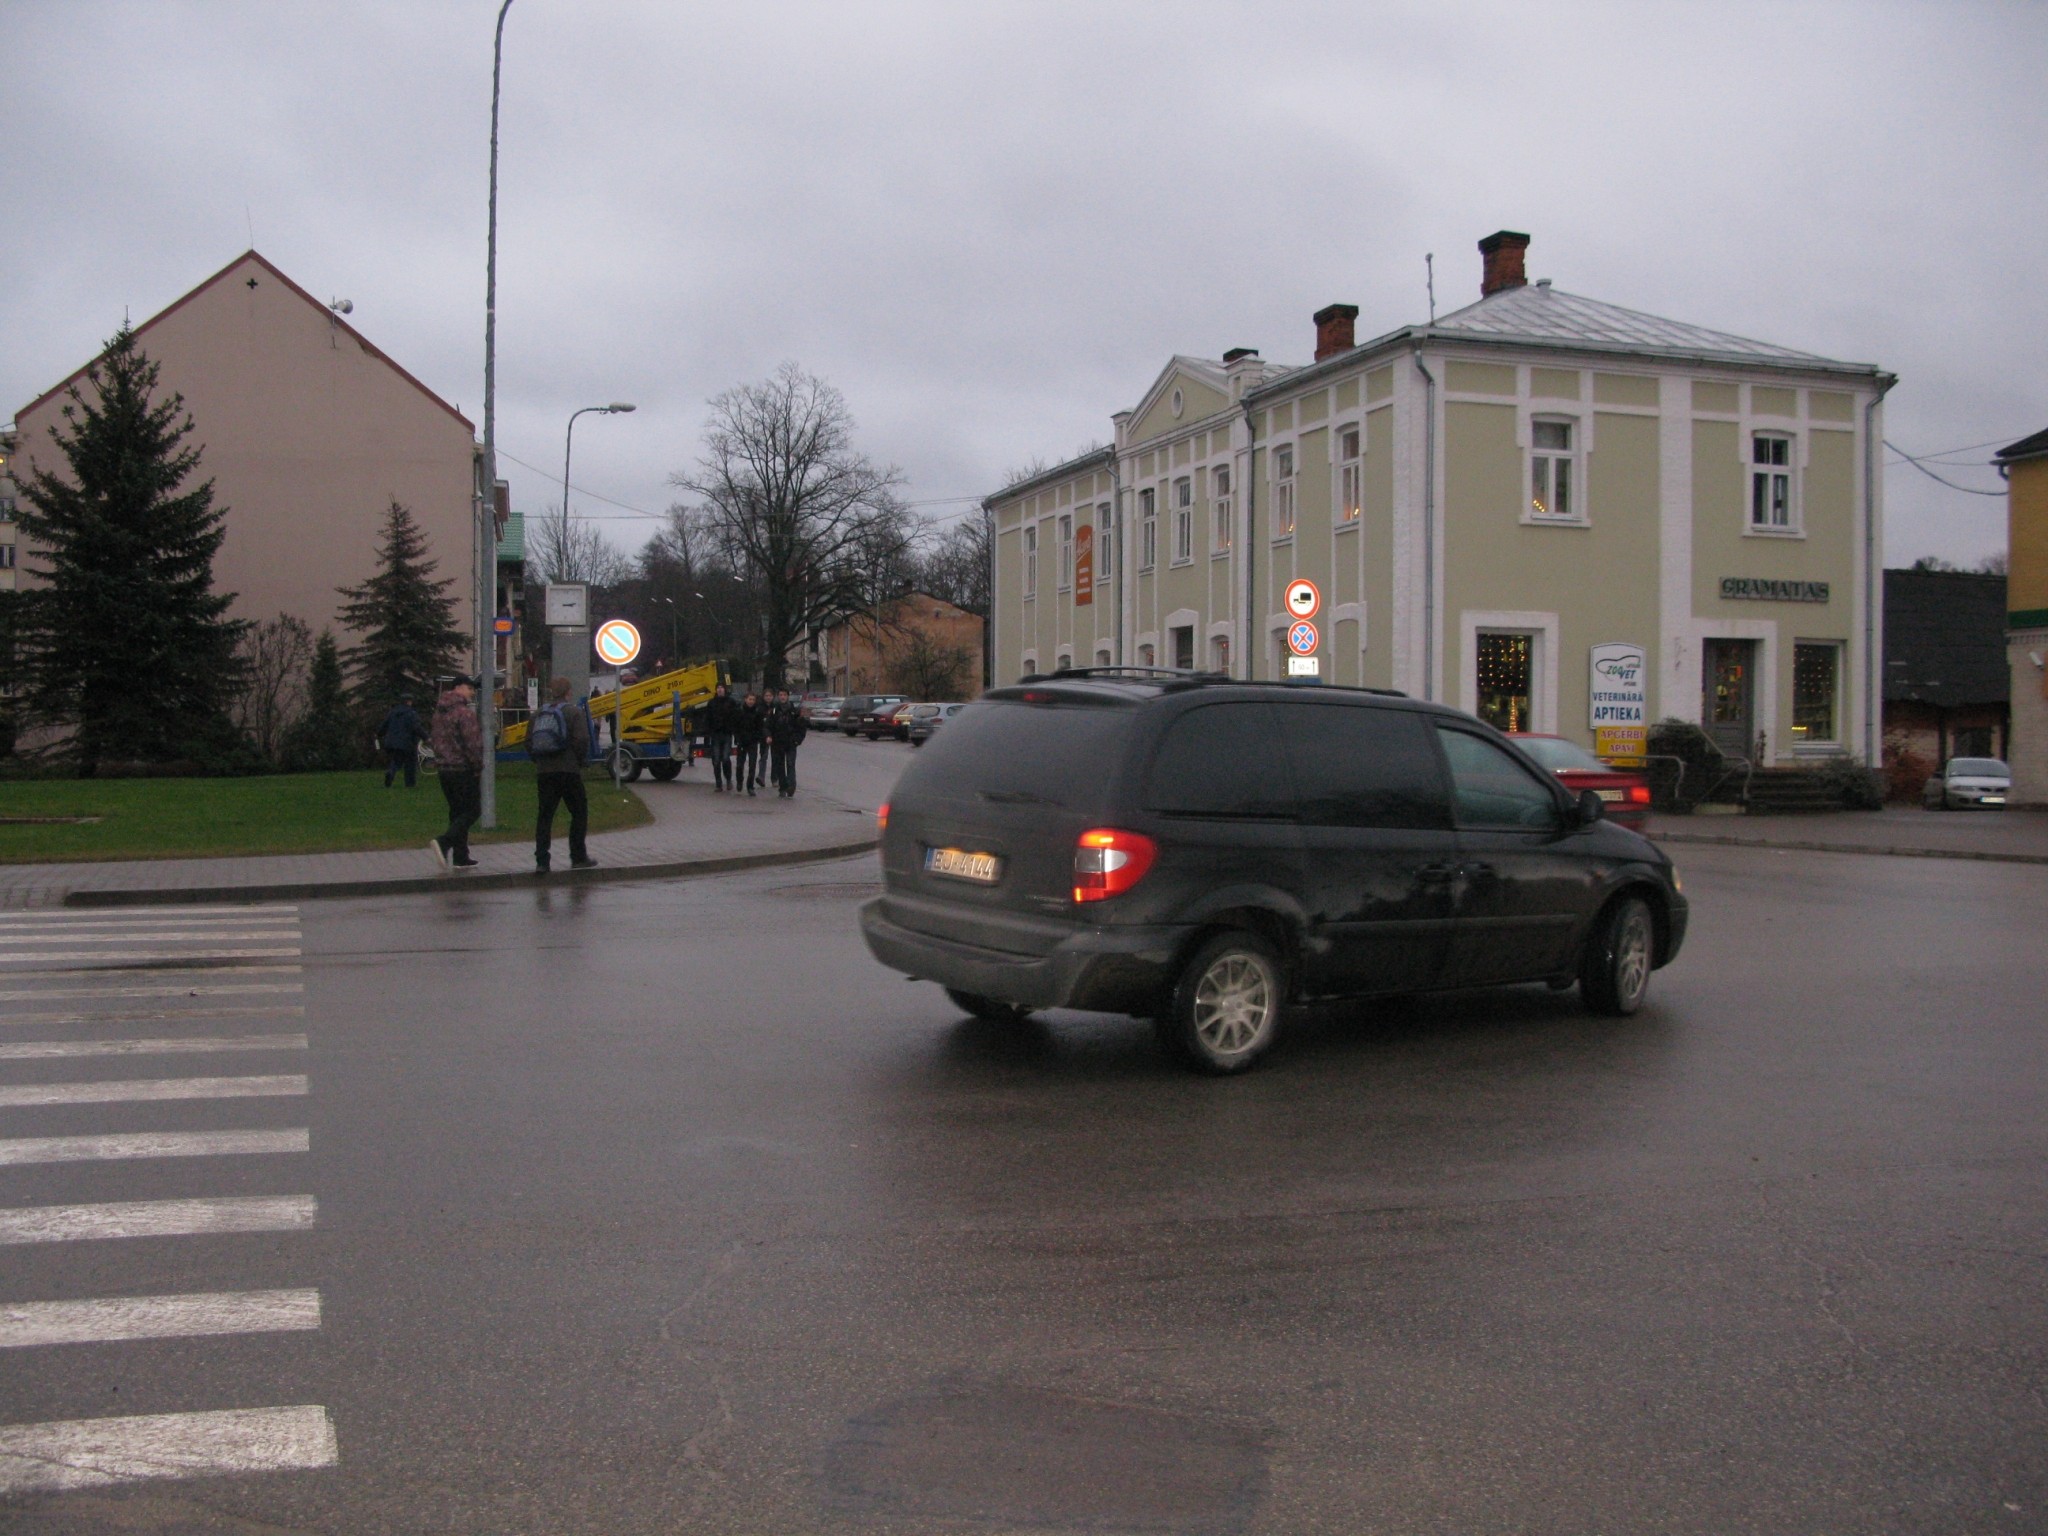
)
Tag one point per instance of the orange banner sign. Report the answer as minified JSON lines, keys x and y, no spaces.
{"x":1084,"y":566}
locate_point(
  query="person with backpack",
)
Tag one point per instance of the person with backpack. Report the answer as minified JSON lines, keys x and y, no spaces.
{"x":786,"y":731}
{"x":720,"y":716}
{"x":558,"y":741}
{"x":400,"y":736}
{"x":458,"y":744}
{"x":747,"y":733}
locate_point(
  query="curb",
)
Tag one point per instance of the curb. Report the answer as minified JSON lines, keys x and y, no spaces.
{"x":1804,"y":846}
{"x":311,"y":890}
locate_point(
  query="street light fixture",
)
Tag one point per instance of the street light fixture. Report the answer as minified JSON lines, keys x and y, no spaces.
{"x":486,"y":603}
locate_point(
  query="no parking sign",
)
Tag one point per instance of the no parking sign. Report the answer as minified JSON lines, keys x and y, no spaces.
{"x":618,"y":642}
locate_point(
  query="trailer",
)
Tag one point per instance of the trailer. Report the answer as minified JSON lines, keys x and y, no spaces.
{"x":661,"y":736}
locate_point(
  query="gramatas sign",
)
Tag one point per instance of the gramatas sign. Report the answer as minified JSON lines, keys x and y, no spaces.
{"x":1763,"y":590}
{"x":1620,"y":692}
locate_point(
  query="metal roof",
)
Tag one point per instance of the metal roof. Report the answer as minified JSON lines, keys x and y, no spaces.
{"x":2026,"y":448}
{"x":512,"y":543}
{"x":1539,"y":312}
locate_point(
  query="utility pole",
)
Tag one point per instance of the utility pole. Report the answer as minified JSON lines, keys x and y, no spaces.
{"x":487,"y":500}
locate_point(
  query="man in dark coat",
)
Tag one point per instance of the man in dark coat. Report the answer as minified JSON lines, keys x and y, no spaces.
{"x":400,"y":736}
{"x":720,"y":716}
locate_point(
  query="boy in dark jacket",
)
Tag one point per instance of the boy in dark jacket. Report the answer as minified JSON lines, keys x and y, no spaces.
{"x":720,"y":716}
{"x":786,"y":731}
{"x":747,"y":734}
{"x":400,"y":736}
{"x":559,"y":777}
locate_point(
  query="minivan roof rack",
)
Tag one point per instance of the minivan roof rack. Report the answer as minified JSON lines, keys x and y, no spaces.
{"x":1171,"y":674}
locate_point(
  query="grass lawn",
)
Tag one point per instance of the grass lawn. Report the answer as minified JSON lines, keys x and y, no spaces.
{"x":285,"y":813}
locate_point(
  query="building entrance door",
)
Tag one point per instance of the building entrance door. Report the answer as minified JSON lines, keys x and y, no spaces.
{"x":1728,"y":709}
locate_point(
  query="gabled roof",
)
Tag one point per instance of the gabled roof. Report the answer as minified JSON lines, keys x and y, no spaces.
{"x":330,"y":315}
{"x":1944,"y":638}
{"x":1537,"y":312}
{"x":2026,"y":448}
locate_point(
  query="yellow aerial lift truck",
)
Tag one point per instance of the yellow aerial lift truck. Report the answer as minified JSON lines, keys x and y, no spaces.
{"x":661,"y":734}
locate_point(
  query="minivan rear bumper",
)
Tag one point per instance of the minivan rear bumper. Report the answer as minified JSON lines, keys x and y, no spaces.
{"x":1110,"y":970}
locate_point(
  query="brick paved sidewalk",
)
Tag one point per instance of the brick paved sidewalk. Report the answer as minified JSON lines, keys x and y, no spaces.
{"x":2001,"y":836}
{"x":694,"y":831}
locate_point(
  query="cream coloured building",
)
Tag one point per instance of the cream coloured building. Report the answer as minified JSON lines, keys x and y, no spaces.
{"x":308,"y":432}
{"x":1480,"y":503}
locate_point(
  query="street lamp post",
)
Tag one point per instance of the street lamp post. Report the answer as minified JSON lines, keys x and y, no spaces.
{"x":616,"y":408}
{"x":674,"y":645}
{"x":487,"y":499}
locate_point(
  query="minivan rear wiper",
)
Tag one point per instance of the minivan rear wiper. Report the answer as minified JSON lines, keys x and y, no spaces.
{"x":1018,"y":797}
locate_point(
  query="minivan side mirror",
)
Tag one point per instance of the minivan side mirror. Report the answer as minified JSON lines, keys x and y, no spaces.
{"x":1589,"y":808}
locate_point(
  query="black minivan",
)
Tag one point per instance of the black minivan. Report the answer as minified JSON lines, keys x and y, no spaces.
{"x":1202,"y":852}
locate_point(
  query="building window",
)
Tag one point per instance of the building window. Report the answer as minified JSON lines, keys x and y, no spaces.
{"x":1219,"y":485}
{"x":1183,"y":519}
{"x":6,"y":509}
{"x":6,"y":557}
{"x":1148,"y":528}
{"x":1219,"y":654}
{"x":1066,"y":551}
{"x":1506,"y":675}
{"x":1105,"y":540}
{"x":1183,"y":638}
{"x":1350,"y":475}
{"x":1145,"y":657}
{"x":1064,"y":662}
{"x":1770,"y":483}
{"x":1816,"y":669}
{"x":1283,"y":492}
{"x":1031,"y":562}
{"x":1553,"y":495}
{"x":1102,"y":657}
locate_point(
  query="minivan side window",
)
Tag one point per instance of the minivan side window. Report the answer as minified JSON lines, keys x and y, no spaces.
{"x":1491,"y":789}
{"x":1219,"y":760}
{"x":1356,"y":765}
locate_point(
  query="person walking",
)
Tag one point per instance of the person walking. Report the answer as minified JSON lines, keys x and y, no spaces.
{"x":787,"y":729}
{"x":747,"y":733}
{"x":458,"y":746}
{"x":400,"y":736}
{"x":558,"y":772}
{"x":720,"y":716}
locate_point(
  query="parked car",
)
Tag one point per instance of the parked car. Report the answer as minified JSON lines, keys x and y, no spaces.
{"x":1201,"y":852}
{"x":854,"y":709}
{"x":821,"y":712}
{"x":1982,"y":782}
{"x":878,"y":722}
{"x":925,"y":719}
{"x":893,"y":722}
{"x":1625,"y":792}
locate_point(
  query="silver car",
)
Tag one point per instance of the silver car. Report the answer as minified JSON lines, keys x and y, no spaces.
{"x":925,"y":720}
{"x":1968,"y":782}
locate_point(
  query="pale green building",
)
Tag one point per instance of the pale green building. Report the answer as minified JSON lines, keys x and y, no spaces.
{"x":1542,"y":508}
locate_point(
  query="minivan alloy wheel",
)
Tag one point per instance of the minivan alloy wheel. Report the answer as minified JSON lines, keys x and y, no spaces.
{"x":1615,"y":976}
{"x":1226,"y":1009}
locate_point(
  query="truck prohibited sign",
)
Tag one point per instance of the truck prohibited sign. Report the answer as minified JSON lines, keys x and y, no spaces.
{"x":1302,"y":638}
{"x":1304,"y":599}
{"x":618,"y":642}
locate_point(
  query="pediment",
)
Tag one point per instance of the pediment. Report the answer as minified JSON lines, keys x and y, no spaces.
{"x":1202,"y":390}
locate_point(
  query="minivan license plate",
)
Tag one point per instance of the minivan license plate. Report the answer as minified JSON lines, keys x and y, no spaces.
{"x":961,"y":865}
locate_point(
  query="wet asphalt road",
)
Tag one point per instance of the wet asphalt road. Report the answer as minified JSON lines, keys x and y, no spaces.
{"x":660,"y":1208}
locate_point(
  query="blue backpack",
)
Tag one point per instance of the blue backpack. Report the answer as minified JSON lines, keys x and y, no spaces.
{"x":548,"y":735}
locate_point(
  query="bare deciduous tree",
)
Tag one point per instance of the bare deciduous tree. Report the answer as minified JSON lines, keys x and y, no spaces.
{"x":565,"y":548}
{"x":957,"y":567}
{"x":809,"y":520}
{"x":927,"y":668}
{"x":275,"y":656}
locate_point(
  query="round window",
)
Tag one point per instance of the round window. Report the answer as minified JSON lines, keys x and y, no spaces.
{"x":1178,"y":403}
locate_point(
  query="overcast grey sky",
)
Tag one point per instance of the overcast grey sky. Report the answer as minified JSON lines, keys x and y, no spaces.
{"x":990,"y":224}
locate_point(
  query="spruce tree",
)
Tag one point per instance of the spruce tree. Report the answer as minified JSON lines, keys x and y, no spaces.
{"x":125,"y":642}
{"x":406,"y":620}
{"x":327,"y":735}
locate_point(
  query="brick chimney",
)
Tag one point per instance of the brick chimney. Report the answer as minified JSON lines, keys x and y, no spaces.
{"x":1503,"y":252}
{"x":1334,"y":332}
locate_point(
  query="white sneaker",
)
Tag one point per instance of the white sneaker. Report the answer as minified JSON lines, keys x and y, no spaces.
{"x":440,"y":853}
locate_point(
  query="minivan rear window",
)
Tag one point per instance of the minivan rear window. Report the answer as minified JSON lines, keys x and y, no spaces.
{"x":1218,"y":760}
{"x":1051,"y":754}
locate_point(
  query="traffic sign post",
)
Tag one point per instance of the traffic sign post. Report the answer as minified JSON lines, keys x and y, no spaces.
{"x":1304,"y":599}
{"x":618,"y":642}
{"x":1303,"y":638}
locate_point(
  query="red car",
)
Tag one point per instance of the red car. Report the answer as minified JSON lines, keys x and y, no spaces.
{"x":1625,"y":792}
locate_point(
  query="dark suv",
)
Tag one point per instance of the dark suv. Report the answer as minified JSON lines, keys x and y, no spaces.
{"x":1202,"y":852}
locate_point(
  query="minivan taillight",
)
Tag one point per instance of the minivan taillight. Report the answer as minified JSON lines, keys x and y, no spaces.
{"x":1639,"y":794}
{"x":1108,"y":862}
{"x":882,"y":817}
